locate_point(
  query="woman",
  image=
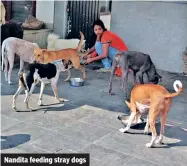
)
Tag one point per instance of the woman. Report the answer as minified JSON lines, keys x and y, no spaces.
{"x":107,"y":45}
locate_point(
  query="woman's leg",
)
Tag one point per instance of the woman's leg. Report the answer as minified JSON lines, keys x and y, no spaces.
{"x":107,"y":62}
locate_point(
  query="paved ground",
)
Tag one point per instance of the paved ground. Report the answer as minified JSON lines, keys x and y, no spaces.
{"x":88,"y":123}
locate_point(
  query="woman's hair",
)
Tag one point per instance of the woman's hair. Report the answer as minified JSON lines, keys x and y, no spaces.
{"x":93,"y":36}
{"x":99,"y":23}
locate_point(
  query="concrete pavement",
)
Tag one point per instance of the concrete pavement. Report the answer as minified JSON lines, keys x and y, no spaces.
{"x":88,"y":123}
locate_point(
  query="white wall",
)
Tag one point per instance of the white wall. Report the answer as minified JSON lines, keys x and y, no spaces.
{"x":156,"y":28}
{"x":45,"y":12}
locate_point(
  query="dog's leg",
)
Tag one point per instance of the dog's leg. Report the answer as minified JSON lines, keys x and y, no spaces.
{"x":69,"y":76}
{"x":163,"y":122}
{"x":11,"y":63}
{"x":114,"y":64}
{"x":41,"y":93}
{"x":54,"y":87}
{"x":146,"y":129}
{"x":142,"y":70}
{"x":134,"y":77}
{"x":124,"y":81}
{"x":6,"y":68}
{"x":26,"y":99}
{"x":28,"y":94}
{"x":82,"y":69}
{"x":20,"y":89}
{"x":140,"y":77}
{"x":132,"y":116}
{"x":76,"y":64}
{"x":153,"y":114}
{"x":55,"y":90}
{"x":162,"y":129}
{"x":21,"y":66}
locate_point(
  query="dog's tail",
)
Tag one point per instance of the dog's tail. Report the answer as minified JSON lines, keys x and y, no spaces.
{"x":177,"y":89}
{"x":2,"y":53}
{"x":51,"y":38}
{"x":81,"y":42}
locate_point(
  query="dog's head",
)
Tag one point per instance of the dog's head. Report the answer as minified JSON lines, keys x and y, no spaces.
{"x":66,"y":65}
{"x":155,"y":79}
{"x":39,"y":55}
{"x":153,"y":76}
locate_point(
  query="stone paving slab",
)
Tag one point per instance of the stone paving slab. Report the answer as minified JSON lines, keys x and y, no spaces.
{"x":58,"y":141}
{"x":134,"y":145}
{"x":85,"y":131}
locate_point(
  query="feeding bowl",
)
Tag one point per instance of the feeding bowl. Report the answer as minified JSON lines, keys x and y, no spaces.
{"x":76,"y":82}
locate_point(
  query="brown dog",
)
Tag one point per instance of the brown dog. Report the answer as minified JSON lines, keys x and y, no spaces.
{"x":45,"y":56}
{"x":155,"y":100}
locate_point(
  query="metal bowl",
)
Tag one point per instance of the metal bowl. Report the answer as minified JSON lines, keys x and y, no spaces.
{"x":76,"y":82}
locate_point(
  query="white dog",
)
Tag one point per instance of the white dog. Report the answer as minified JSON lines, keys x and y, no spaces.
{"x":20,"y":47}
{"x":55,"y":43}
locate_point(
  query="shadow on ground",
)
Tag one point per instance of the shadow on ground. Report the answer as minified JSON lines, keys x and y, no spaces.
{"x":175,"y":136}
{"x":12,"y":141}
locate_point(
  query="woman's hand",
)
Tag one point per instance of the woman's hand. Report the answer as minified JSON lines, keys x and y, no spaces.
{"x":85,"y":56}
{"x":89,"y":60}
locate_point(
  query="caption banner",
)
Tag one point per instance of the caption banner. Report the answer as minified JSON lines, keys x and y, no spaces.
{"x":45,"y":159}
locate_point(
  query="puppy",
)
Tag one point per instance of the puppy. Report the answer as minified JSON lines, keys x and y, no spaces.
{"x":139,"y":63}
{"x":55,"y":43}
{"x":13,"y":46}
{"x":45,"y":56}
{"x":45,"y":73}
{"x":154,"y":100}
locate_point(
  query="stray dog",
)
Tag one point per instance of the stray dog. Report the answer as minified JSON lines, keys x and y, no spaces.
{"x":55,"y":43}
{"x":154,"y":100}
{"x":137,"y":62}
{"x":45,"y":73}
{"x":69,"y":54}
{"x":3,"y":13}
{"x":13,"y":46}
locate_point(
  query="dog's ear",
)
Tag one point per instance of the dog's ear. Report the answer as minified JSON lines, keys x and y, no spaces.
{"x":128,"y":104}
{"x":69,"y":63}
{"x":159,"y":77}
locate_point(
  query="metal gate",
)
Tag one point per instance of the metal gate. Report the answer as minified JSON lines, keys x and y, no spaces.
{"x":81,"y":15}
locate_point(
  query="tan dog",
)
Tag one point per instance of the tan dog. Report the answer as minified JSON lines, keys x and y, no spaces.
{"x":3,"y":13}
{"x":45,"y":56}
{"x":155,"y":100}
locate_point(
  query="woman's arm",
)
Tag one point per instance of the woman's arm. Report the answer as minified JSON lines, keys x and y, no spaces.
{"x":91,"y":50}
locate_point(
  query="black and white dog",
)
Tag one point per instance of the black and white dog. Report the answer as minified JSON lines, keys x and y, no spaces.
{"x":139,"y":63}
{"x":44,"y":73}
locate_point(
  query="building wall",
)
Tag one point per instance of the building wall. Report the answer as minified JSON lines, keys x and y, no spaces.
{"x":60,"y":18}
{"x":45,"y":12}
{"x":156,"y":28}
